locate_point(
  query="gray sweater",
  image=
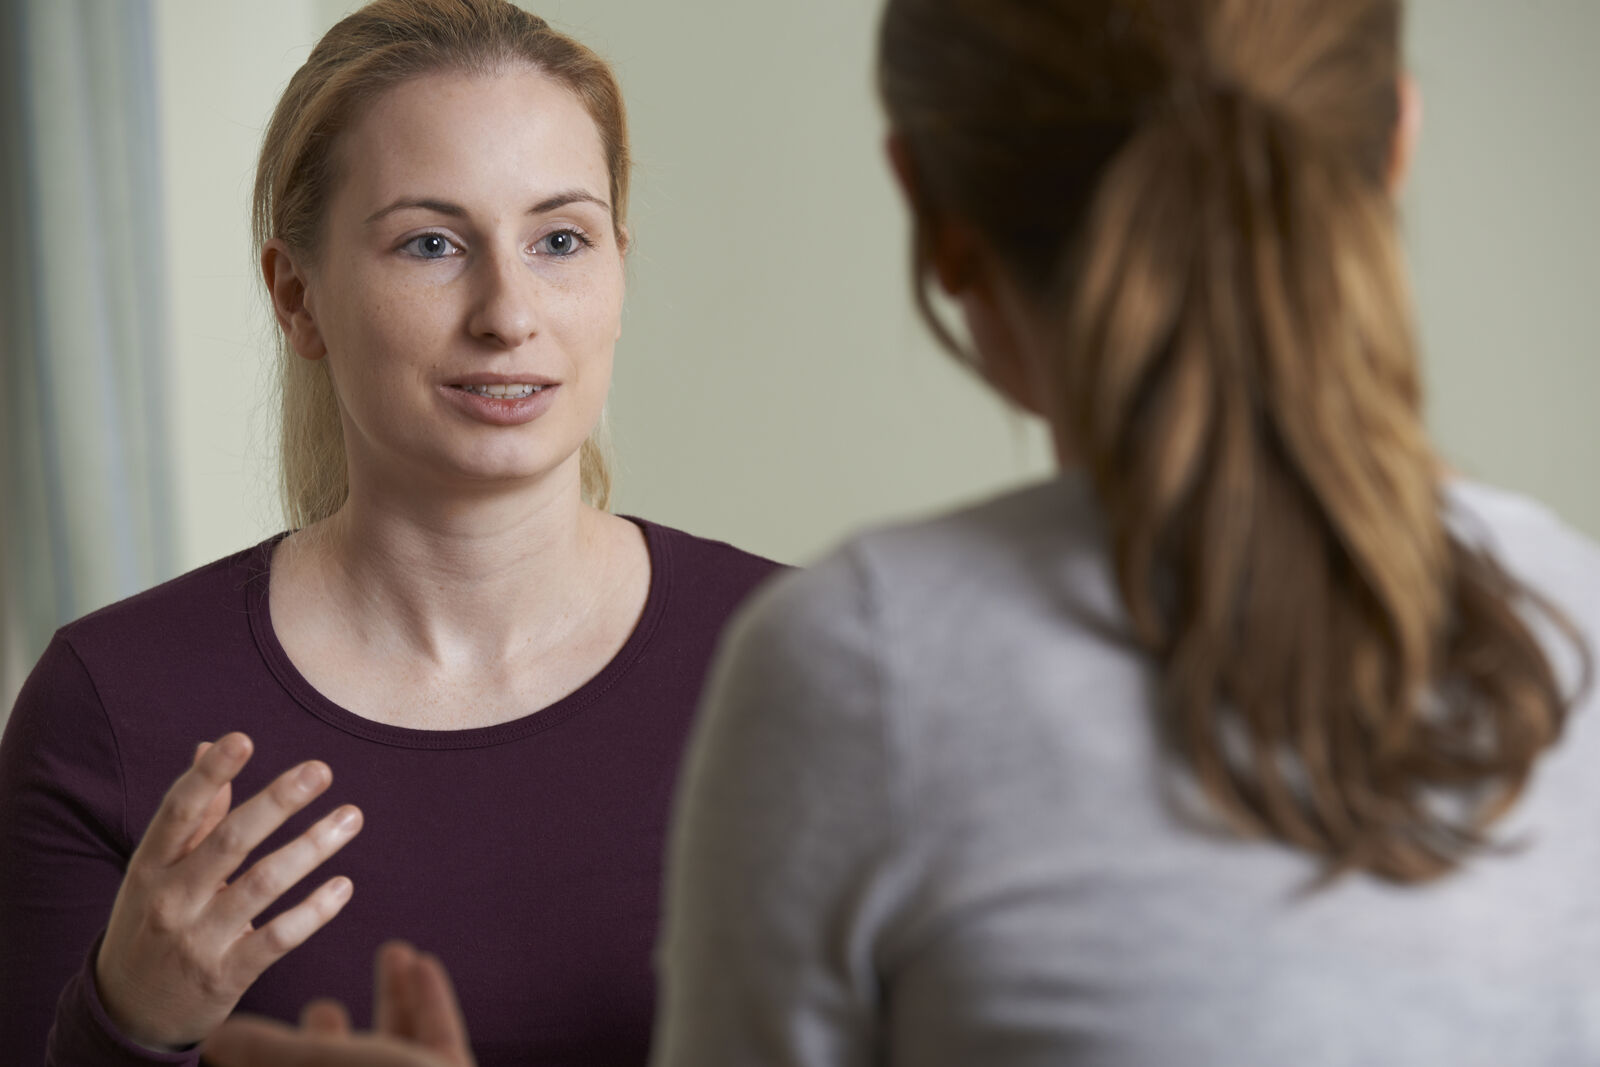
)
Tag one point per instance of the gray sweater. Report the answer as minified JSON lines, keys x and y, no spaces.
{"x":925,"y":822}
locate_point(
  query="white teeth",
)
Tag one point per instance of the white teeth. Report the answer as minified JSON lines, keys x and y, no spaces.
{"x":502,"y":392}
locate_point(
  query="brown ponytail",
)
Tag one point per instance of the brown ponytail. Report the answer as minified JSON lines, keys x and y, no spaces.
{"x":1239,"y":377}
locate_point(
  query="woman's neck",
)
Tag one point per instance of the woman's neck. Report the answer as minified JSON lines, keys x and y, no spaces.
{"x":448,"y":578}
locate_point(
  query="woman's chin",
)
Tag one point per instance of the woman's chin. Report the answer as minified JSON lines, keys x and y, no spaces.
{"x":511,"y":473}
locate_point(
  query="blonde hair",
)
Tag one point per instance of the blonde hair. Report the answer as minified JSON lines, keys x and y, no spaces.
{"x":366,"y":53}
{"x":1198,"y":190}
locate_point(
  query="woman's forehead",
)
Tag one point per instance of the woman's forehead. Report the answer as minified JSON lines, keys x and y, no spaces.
{"x":507,"y":135}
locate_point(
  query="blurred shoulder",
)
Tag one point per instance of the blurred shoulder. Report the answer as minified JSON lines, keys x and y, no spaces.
{"x":1019,"y":526}
{"x":1550,"y":558}
{"x":917,"y":579}
{"x":1528,"y":538}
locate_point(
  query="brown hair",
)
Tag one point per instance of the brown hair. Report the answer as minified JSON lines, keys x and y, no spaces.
{"x":366,"y":53}
{"x":1198,"y":191}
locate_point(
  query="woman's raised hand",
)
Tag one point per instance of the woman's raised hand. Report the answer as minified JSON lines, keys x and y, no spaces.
{"x":416,"y":1023}
{"x":181,"y":947}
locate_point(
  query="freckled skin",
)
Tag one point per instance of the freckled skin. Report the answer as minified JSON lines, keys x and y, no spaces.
{"x":395,"y":325}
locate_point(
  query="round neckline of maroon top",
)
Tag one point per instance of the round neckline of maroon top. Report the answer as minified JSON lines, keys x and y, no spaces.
{"x":545,"y":718}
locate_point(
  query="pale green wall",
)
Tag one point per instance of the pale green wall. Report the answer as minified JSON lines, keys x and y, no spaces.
{"x":1504,"y":226}
{"x":773,"y":387}
{"x":221,"y":66}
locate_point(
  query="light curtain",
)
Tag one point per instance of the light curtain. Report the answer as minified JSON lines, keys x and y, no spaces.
{"x":84,"y":462}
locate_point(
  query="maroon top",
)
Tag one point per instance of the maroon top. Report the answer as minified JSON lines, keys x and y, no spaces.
{"x":527,"y":855}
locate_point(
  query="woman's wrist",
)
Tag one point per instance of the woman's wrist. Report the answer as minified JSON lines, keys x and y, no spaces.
{"x":119,"y":1017}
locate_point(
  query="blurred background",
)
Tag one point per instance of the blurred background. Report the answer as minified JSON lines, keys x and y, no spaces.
{"x":773,"y":386}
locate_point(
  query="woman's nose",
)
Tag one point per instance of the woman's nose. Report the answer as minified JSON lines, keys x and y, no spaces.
{"x":505,"y":312}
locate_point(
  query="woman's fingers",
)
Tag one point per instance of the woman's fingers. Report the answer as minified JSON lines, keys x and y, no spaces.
{"x":413,"y":995}
{"x":415,"y":1001}
{"x":326,"y":1018}
{"x":246,"y":1042}
{"x":225,"y":848}
{"x":260,"y":949}
{"x":438,"y":1024}
{"x":192,"y":797}
{"x":216,"y":812}
{"x":391,"y":995}
{"x":179,"y":949}
{"x":273,"y":875}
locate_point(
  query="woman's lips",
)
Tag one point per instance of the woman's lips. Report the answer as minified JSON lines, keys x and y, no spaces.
{"x":498,"y":391}
{"x":502,"y":404}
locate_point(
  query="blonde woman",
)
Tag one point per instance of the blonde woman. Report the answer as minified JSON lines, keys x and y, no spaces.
{"x":1201,"y":753}
{"x":486,"y":674}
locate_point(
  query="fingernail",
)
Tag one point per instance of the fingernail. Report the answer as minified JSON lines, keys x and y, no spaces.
{"x":345,"y":819}
{"x":310,"y":776}
{"x":234,"y":746}
{"x":341,"y":888}
{"x":396,"y":950}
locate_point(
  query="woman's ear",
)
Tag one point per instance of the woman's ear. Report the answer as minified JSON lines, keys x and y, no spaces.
{"x":1407,"y":128}
{"x":288,"y":285}
{"x":952,"y":250}
{"x":994,"y":313}
{"x":905,"y":174}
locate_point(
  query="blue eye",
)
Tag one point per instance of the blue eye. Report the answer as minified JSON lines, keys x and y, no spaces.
{"x":430,"y":246}
{"x":561,"y":243}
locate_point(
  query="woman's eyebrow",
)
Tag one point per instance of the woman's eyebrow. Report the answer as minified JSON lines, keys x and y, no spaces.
{"x":442,"y":207}
{"x":445,"y":207}
{"x":562,"y":199}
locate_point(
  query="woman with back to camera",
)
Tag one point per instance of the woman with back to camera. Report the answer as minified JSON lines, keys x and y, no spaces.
{"x":1200,"y":753}
{"x":500,"y":672}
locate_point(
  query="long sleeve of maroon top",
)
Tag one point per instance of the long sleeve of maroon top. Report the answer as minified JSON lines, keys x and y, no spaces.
{"x":527,"y":855}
